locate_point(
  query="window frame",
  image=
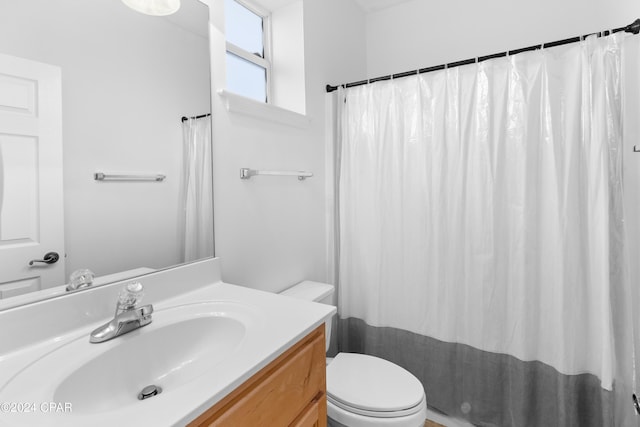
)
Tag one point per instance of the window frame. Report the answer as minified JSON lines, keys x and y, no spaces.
{"x":265,"y":60}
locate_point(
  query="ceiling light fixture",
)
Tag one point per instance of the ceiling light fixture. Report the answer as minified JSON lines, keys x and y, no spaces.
{"x":154,"y":7}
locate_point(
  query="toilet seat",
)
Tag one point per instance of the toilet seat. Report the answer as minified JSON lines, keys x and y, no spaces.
{"x":377,"y":414}
{"x":373,"y":387}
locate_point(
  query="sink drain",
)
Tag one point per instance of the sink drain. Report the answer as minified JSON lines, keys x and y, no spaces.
{"x":149,"y":391}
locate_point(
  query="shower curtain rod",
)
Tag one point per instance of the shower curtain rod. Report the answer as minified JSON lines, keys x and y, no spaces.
{"x":184,"y":119}
{"x":631,"y":28}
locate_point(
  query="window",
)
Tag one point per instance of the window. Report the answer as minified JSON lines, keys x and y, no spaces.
{"x":248,"y":46}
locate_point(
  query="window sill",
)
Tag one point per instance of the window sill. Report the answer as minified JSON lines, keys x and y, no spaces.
{"x":248,"y":107}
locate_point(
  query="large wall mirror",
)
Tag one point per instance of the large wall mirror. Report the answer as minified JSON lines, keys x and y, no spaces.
{"x":92,"y":87}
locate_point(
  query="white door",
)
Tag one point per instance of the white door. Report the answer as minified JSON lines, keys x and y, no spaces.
{"x":31,"y":203}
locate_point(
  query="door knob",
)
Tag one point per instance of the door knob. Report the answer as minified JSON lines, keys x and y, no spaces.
{"x":49,"y":258}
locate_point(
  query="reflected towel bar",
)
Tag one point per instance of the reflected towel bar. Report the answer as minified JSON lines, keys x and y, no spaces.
{"x":101,"y":176}
{"x":246,"y":173}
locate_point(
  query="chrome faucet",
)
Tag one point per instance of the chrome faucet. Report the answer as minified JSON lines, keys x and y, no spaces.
{"x":128,"y":315}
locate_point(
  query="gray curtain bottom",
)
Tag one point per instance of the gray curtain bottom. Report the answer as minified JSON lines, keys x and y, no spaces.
{"x":487,"y":389}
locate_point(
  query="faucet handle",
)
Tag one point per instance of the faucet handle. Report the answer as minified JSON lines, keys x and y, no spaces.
{"x":130,"y":295}
{"x":79,"y":279}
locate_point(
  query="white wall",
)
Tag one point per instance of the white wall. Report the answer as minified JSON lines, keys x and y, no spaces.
{"x":287,"y":57}
{"x":127,"y":79}
{"x":627,"y":298}
{"x":419,"y":34}
{"x":270,"y":231}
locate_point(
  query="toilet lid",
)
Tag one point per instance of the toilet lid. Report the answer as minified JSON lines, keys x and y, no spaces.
{"x":369,"y":383}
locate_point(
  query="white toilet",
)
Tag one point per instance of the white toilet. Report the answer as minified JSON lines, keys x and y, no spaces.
{"x":364,"y":391}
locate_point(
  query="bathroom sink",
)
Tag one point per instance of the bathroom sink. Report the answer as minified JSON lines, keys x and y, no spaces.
{"x":181,"y":344}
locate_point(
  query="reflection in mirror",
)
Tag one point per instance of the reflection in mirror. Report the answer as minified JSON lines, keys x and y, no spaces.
{"x":89,"y":87}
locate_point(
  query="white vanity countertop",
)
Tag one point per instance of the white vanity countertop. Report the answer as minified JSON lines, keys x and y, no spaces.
{"x":278,"y":323}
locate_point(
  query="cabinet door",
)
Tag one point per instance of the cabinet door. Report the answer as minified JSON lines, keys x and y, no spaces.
{"x":310,"y":417}
{"x":281,"y":394}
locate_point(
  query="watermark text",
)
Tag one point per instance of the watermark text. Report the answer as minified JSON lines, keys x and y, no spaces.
{"x":36,"y":407}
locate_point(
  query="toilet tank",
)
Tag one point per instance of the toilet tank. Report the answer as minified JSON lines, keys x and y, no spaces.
{"x":316,"y":292}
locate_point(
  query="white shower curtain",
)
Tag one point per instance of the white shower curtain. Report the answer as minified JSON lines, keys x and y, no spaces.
{"x":196,"y":223}
{"x":477,"y":207}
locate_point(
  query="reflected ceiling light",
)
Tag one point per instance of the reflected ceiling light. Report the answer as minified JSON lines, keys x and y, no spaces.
{"x":154,"y":7}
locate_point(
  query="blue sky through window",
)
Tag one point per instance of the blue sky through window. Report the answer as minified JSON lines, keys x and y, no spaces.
{"x":244,"y":29}
{"x":246,"y":78}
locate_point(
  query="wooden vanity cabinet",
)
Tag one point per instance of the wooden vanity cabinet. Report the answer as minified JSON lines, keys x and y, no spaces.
{"x":289,"y":392}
